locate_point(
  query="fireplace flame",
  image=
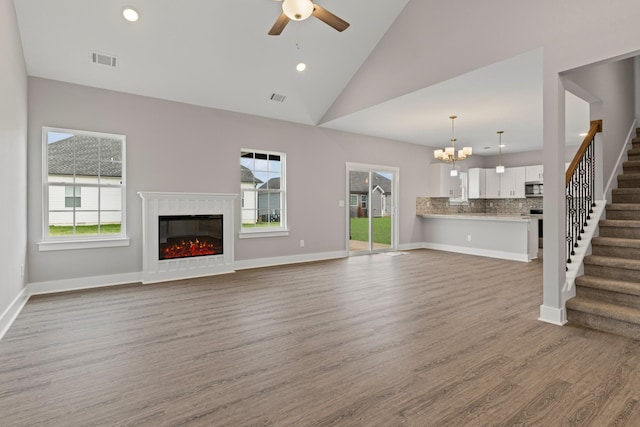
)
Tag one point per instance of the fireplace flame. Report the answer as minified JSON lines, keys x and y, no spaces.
{"x":187,"y":248}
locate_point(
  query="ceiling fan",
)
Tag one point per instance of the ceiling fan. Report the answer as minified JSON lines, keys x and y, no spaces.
{"x":299,"y":10}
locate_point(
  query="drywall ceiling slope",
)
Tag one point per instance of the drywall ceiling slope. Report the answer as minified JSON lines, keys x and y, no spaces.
{"x":202,"y":52}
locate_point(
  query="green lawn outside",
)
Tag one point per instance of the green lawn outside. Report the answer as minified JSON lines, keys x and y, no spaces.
{"x":57,"y":230}
{"x":381,"y":229}
{"x":261,"y":224}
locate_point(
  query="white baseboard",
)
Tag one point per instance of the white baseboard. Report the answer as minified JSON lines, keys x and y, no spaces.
{"x":293,"y":259}
{"x":410,"y":246}
{"x":10,"y":314}
{"x":65,"y":285}
{"x":553,"y":315}
{"x":511,"y":256}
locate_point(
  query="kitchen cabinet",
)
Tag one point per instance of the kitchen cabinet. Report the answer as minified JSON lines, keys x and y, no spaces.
{"x":492,"y":184}
{"x":533,"y":173}
{"x":441,"y":183}
{"x":507,"y":185}
{"x":477,"y":183}
{"x":512,"y":183}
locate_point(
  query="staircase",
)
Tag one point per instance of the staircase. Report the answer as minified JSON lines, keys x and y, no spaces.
{"x":608,"y":294}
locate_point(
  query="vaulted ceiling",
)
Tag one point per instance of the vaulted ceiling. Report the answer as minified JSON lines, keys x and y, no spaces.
{"x":218,"y":54}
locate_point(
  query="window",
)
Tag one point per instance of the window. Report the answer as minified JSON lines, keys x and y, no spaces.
{"x":263,"y":194}
{"x":353,"y":200}
{"x":84,"y":194}
{"x":364,"y":201}
{"x":72,"y":198}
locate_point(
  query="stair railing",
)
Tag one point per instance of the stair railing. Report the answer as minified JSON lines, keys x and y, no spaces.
{"x":580,"y":189}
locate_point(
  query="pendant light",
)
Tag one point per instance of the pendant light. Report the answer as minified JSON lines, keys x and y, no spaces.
{"x":500,"y":167}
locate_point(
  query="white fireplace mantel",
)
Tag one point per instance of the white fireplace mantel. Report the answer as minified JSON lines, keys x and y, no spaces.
{"x":156,"y":204}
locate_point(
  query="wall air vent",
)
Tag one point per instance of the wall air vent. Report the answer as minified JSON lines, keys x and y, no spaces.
{"x":277,"y":97}
{"x":103,"y":59}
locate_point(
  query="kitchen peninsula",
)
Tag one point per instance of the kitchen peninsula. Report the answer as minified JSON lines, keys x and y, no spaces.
{"x":512,"y":236}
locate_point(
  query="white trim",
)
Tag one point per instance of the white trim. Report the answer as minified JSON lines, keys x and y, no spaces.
{"x":89,"y":242}
{"x":395,"y":199}
{"x":576,"y":267}
{"x":512,"y":256}
{"x":63,"y":245}
{"x":254,"y":234}
{"x":553,"y":315}
{"x":618,"y":169}
{"x":293,"y":259}
{"x":410,"y":246}
{"x":80,"y":283}
{"x":11,"y":313}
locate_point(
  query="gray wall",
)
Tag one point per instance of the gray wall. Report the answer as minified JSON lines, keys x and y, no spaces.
{"x":613,"y":84}
{"x":179,"y":147}
{"x":13,"y":164}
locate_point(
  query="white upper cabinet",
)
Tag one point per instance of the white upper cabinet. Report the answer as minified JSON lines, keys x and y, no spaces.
{"x":512,"y":183}
{"x":534,"y":173}
{"x":492,"y":184}
{"x":477,"y":183}
{"x":507,"y":185}
{"x":441,"y":183}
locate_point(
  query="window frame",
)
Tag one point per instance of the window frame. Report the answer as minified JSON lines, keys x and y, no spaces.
{"x":54,"y":243}
{"x":257,"y":232}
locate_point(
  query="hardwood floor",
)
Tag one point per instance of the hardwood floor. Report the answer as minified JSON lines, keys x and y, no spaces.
{"x":422,"y":339}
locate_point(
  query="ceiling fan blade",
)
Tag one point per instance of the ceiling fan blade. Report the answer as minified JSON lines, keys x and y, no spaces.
{"x":329,"y":18}
{"x":281,"y":22}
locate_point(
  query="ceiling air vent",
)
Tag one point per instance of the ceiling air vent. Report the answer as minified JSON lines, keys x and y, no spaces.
{"x":103,"y":59}
{"x":278,"y":98}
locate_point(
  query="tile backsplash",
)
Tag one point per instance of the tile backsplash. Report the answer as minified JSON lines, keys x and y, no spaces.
{"x":442,"y":206}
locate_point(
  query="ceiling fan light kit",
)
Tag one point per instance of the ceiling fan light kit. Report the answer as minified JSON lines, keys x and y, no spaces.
{"x":299,"y":10}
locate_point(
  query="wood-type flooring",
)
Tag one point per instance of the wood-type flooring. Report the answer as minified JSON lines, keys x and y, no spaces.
{"x":426,"y":338}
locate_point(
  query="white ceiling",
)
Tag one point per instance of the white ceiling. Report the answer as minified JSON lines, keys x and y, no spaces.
{"x":216,"y":53}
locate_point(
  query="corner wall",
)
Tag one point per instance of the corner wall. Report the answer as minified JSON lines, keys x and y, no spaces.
{"x":13,"y":166}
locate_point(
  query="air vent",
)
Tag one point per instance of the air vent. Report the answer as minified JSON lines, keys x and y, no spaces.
{"x":103,"y":59}
{"x":278,"y":98}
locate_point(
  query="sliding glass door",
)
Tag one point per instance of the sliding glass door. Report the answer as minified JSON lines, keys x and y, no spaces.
{"x":372,"y":195}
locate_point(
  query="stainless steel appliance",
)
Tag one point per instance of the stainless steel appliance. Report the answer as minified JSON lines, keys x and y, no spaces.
{"x":533,"y":189}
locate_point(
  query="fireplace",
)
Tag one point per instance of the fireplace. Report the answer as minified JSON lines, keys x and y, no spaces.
{"x":186,"y":235}
{"x":182,"y":236}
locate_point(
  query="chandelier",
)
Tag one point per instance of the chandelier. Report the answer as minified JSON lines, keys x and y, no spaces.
{"x":449,"y":154}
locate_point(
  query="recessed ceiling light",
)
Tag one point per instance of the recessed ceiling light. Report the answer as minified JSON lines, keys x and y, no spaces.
{"x":130,"y":14}
{"x":301,"y":66}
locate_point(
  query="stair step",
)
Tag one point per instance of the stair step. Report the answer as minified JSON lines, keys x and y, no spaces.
{"x":631,"y":166}
{"x":616,"y":247}
{"x":634,"y":153}
{"x":629,"y":180}
{"x":609,"y":290}
{"x":604,"y":316}
{"x":624,"y":269}
{"x":625,"y":195}
{"x":623,"y":228}
{"x":629,"y":211}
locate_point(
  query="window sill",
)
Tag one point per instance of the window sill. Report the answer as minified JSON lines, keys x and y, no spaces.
{"x":65,"y":245}
{"x":261,"y":233}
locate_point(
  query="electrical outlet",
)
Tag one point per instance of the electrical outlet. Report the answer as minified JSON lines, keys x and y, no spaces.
{"x":520,"y":204}
{"x":490,"y":204}
{"x":468,"y":237}
{"x":302,"y":243}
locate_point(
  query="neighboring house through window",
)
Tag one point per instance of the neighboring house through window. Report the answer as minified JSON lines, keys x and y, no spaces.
{"x":84,"y":189}
{"x":263,"y":193}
